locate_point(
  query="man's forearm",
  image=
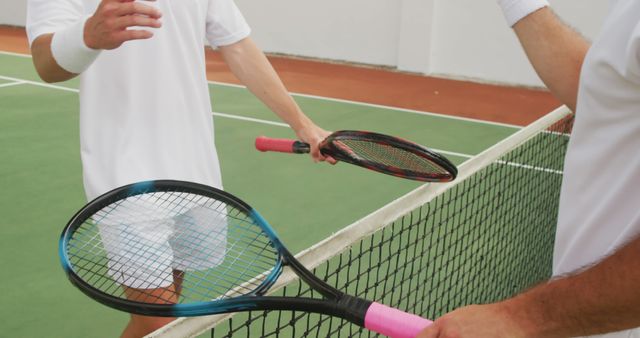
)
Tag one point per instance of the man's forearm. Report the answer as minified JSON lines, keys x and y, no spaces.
{"x":250,"y":65}
{"x":45,"y":63}
{"x":72,"y":49}
{"x":602,"y":298}
{"x":253,"y":69}
{"x":556,"y":52}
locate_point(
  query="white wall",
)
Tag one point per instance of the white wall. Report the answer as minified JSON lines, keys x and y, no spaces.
{"x":355,"y":30}
{"x":454,"y":38}
{"x":470,"y":39}
{"x":451,"y":38}
{"x":13,"y":12}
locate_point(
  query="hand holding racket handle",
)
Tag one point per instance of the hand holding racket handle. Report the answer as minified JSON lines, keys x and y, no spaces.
{"x":393,"y":322}
{"x":282,"y":145}
{"x":378,"y":152}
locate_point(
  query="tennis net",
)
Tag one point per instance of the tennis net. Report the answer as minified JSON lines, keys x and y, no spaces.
{"x":479,"y":239}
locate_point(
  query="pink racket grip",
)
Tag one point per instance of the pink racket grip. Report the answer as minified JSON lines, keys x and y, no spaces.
{"x":281,"y":145}
{"x":393,"y":322}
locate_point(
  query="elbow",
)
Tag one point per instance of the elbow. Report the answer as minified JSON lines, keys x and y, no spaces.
{"x":570,"y":98}
{"x":44,"y":63}
{"x":52,"y":73}
{"x":46,"y":77}
{"x":53,"y":79}
{"x":565,"y":91}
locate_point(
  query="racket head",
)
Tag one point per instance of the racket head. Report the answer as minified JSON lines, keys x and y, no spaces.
{"x":122,"y":248}
{"x":389,"y":155}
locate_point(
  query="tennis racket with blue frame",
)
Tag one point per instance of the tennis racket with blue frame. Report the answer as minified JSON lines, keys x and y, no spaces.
{"x":179,"y":249}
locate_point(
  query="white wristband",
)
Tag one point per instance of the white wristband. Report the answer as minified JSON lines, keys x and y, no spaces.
{"x":515,"y":10}
{"x":70,"y":51}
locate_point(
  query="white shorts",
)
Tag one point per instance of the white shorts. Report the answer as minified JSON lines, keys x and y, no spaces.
{"x":143,"y":253}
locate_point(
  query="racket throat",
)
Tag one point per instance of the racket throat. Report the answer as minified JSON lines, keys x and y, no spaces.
{"x":353,"y":309}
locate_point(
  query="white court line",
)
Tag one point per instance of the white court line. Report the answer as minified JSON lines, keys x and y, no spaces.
{"x":531,"y":167}
{"x":41,"y":84}
{"x":35,"y":83}
{"x":372,"y":105}
{"x":250,"y":119}
{"x":272,"y":123}
{"x":279,"y":124}
{"x":242,"y":118}
{"x":15,"y":54}
{"x":451,"y":153}
{"x":444,"y":152}
{"x":11,"y":84}
{"x":364,"y":104}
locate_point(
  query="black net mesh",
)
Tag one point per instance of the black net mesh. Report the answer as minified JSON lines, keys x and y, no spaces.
{"x":485,"y":239}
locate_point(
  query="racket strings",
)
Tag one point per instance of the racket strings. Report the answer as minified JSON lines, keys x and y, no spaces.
{"x":139,"y":247}
{"x":388,"y":155}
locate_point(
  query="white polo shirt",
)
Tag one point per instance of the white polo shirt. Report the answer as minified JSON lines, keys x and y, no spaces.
{"x":145,"y":109}
{"x":600,"y":199}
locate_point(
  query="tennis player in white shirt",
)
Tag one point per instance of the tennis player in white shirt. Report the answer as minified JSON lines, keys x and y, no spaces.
{"x":145,"y":110}
{"x":596,"y":286}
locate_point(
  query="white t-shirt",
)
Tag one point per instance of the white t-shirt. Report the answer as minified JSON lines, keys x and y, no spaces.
{"x":145,"y":109}
{"x":600,"y":199}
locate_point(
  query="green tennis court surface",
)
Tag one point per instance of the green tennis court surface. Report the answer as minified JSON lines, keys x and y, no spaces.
{"x":305,"y":202}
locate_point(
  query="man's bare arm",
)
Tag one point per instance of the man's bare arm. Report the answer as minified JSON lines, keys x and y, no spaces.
{"x":108,"y":28}
{"x":602,"y":298}
{"x":556,"y":52}
{"x":251,"y":66}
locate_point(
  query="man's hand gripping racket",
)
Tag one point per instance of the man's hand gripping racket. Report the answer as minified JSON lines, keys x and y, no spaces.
{"x":382,"y":153}
{"x":175,"y":249}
